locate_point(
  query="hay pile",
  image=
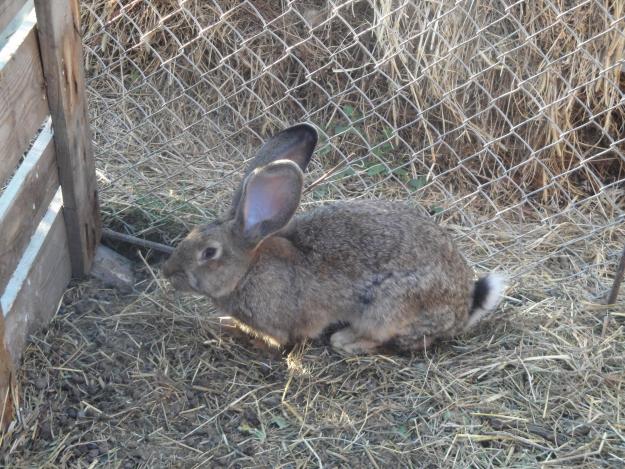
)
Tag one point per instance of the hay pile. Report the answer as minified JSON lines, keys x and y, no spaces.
{"x":455,"y":93}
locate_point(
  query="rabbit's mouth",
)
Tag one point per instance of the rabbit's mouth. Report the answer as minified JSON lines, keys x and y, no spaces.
{"x":182,"y":282}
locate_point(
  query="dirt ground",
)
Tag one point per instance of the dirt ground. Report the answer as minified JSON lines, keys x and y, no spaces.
{"x":149,"y":379}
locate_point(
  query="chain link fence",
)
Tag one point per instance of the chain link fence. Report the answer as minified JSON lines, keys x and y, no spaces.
{"x":505,"y":120}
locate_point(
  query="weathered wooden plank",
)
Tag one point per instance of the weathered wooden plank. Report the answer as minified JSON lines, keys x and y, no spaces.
{"x":25,"y":201}
{"x":23,"y":105}
{"x":9,"y":9}
{"x":7,"y":378}
{"x":58,"y":24}
{"x":33,"y":293}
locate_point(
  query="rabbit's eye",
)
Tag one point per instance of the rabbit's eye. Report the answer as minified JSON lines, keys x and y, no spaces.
{"x":210,"y":253}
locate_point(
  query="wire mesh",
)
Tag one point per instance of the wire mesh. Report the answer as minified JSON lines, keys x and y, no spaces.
{"x":505,"y":120}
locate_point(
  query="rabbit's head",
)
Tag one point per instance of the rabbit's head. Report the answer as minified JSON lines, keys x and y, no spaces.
{"x":215,"y":257}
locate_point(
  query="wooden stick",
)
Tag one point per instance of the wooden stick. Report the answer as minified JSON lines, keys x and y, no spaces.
{"x":110,"y":234}
{"x":617,"y":279}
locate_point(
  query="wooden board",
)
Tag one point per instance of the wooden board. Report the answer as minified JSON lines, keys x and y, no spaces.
{"x":8,"y":10}
{"x":25,"y":201}
{"x":58,"y":23}
{"x":34,"y":291}
{"x":7,"y":379}
{"x":23,"y":105}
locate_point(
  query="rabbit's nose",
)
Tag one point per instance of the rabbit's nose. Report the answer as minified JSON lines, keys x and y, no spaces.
{"x":168,"y":269}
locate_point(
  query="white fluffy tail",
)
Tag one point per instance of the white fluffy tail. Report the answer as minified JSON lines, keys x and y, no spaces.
{"x":487,"y":294}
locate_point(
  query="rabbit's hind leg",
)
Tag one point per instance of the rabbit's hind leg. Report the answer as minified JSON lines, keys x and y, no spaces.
{"x":349,"y":341}
{"x":363,"y":336}
{"x":396,"y":307}
{"x":385,"y":315}
{"x":410,"y":343}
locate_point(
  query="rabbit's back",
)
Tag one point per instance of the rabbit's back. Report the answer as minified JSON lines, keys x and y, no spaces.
{"x":359,"y":237}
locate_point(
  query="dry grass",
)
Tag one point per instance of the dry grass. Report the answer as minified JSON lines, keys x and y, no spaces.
{"x":494,"y":116}
{"x":155,"y":380}
{"x":449,"y":91}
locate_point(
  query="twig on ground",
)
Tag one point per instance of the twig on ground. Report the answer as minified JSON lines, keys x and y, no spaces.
{"x":110,"y":234}
{"x":618,"y":278}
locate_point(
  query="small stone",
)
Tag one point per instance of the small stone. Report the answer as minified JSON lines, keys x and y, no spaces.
{"x":45,"y":431}
{"x":113,"y":269}
{"x":82,"y":307}
{"x":74,"y":395}
{"x":41,"y":383}
{"x":251,"y":417}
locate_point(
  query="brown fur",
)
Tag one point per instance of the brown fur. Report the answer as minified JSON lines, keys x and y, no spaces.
{"x":375,"y":265}
{"x":393,"y":276}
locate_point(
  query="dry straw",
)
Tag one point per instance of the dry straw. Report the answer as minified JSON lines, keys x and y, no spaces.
{"x":497,"y":116}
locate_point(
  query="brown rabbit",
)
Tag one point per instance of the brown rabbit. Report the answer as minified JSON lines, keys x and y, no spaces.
{"x":393,"y":276}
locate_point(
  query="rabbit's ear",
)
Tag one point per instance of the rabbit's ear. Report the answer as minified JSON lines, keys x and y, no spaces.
{"x":270,"y":197}
{"x":296,"y":144}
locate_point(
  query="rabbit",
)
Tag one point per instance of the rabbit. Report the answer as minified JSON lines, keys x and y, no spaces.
{"x":392,"y":277}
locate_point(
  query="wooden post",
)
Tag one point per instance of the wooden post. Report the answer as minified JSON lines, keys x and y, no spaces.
{"x":58,"y":24}
{"x":7,"y":377}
